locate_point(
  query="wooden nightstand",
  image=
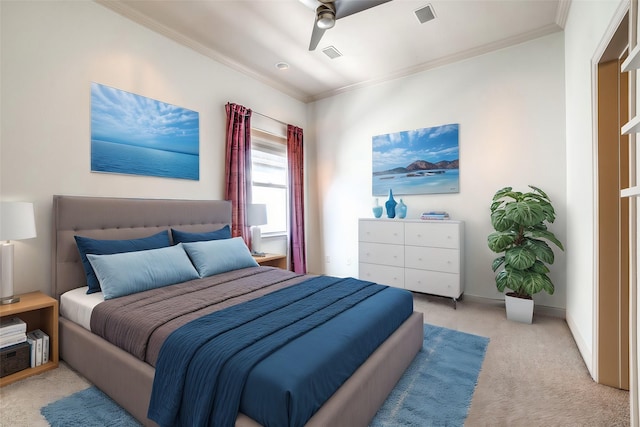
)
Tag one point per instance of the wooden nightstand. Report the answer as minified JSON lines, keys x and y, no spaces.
{"x":39,"y":311}
{"x":272,"y":260}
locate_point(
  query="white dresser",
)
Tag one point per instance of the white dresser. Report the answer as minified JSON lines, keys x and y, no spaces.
{"x":421,"y":256}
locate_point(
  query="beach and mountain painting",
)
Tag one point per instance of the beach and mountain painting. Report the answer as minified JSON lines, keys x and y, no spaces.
{"x":421,"y":161}
{"x":132,"y":134}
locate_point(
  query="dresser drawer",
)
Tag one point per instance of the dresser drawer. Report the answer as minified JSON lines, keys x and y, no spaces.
{"x":381,"y":232}
{"x":432,"y":282}
{"x":382,"y":274}
{"x":380,"y":253}
{"x":438,"y":259}
{"x":440,"y":235}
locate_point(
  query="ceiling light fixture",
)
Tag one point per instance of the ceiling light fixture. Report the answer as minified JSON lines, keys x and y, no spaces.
{"x":282,"y":66}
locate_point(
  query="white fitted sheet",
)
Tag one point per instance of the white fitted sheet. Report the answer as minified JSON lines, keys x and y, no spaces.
{"x":77,"y":306}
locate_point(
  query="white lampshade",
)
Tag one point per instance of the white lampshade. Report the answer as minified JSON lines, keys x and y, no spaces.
{"x":257,"y":214}
{"x":17,"y":222}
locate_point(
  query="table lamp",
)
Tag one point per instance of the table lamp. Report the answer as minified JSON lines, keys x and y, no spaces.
{"x":17,"y":222}
{"x":256,"y":216}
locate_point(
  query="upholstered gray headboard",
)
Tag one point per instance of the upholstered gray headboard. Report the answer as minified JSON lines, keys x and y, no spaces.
{"x":120,"y":218}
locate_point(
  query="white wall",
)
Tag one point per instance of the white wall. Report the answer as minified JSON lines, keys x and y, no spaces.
{"x":51,"y":52}
{"x":586,"y":25}
{"x":510,"y":107}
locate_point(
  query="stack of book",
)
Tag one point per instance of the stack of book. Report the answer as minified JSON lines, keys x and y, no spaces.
{"x":39,"y":343}
{"x":13,"y":330}
{"x":435,"y":215}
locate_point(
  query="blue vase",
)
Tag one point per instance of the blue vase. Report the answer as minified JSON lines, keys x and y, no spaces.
{"x":401,"y":209}
{"x":391,"y":205}
{"x":377,"y":210}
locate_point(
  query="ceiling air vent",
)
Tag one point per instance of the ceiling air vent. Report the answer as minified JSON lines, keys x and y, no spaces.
{"x":425,"y":14}
{"x":331,"y":52}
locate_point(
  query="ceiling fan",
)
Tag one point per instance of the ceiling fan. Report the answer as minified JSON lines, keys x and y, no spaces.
{"x":327,"y":11}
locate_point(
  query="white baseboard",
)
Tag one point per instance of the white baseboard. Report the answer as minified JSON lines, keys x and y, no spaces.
{"x":539,"y":309}
{"x":586,"y":354}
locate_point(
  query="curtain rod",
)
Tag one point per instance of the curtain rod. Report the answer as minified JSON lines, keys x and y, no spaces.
{"x":271,"y":118}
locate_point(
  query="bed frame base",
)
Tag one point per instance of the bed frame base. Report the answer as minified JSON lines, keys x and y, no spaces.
{"x":128,"y":381}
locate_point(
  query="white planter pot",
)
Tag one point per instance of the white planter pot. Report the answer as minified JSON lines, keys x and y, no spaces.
{"x":519,"y":309}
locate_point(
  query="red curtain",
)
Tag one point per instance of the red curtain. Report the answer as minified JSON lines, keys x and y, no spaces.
{"x":295,"y":158}
{"x":238,"y":168}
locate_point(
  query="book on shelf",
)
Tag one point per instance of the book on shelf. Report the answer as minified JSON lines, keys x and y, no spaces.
{"x":45,"y":344}
{"x":32,"y":351}
{"x":11,"y":325}
{"x":38,"y":342}
{"x":12,"y":339}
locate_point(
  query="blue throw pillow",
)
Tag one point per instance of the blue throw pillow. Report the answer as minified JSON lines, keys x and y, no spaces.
{"x":107,"y":247}
{"x":131,"y":272}
{"x":186,"y":237}
{"x":219,"y":256}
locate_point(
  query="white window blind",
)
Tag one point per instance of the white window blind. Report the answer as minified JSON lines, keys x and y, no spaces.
{"x":269,"y":179}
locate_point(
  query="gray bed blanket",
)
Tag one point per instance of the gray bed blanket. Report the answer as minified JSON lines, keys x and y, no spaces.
{"x":139,"y":323}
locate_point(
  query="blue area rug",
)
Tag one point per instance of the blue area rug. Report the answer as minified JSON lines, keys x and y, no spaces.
{"x":437,"y":387}
{"x":435,"y":390}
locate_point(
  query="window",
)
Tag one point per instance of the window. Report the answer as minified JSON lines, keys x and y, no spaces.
{"x":269,"y":179}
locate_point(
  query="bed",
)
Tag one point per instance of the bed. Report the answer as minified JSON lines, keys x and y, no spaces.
{"x":129,"y":380}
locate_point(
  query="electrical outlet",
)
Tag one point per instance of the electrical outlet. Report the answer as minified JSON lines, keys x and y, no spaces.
{"x":327,"y":259}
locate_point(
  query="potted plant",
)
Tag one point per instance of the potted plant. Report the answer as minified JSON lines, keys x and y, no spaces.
{"x":521,"y":237}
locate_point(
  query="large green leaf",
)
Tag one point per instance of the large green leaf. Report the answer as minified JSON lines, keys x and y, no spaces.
{"x":520,"y":257}
{"x":540,"y":249}
{"x":535,"y":282}
{"x":526,"y":214}
{"x":495,"y":205}
{"x":549,"y":212}
{"x":499,"y":241}
{"x":547,"y":235}
{"x":497,"y":263}
{"x":509,"y":278}
{"x":542,"y":193}
{"x":503,"y":192}
{"x":499,"y":221}
{"x":539,"y":267}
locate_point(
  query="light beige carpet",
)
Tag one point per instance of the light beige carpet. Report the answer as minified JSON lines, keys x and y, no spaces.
{"x":532,"y":375}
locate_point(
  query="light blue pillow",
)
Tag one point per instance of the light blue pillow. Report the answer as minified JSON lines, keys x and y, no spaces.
{"x":219,"y":256}
{"x":130,"y":272}
{"x":108,"y":247}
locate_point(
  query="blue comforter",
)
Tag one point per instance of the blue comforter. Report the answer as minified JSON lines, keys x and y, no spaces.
{"x":308,"y":338}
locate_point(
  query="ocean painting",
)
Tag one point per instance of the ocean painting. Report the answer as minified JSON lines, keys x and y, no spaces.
{"x":132,"y":134}
{"x":421,"y":161}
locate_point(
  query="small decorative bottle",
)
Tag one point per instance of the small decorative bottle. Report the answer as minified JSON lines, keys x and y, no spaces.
{"x":391,"y":205}
{"x":401,"y":209}
{"x":377,"y":209}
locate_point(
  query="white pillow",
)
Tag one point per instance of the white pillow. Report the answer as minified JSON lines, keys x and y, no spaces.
{"x":130,"y":272}
{"x":219,"y":256}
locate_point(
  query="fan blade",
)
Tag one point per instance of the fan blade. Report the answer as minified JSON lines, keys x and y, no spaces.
{"x":346,"y":7}
{"x":316,"y":35}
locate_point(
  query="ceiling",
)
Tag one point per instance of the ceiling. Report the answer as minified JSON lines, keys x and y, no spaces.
{"x":378,"y":44}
